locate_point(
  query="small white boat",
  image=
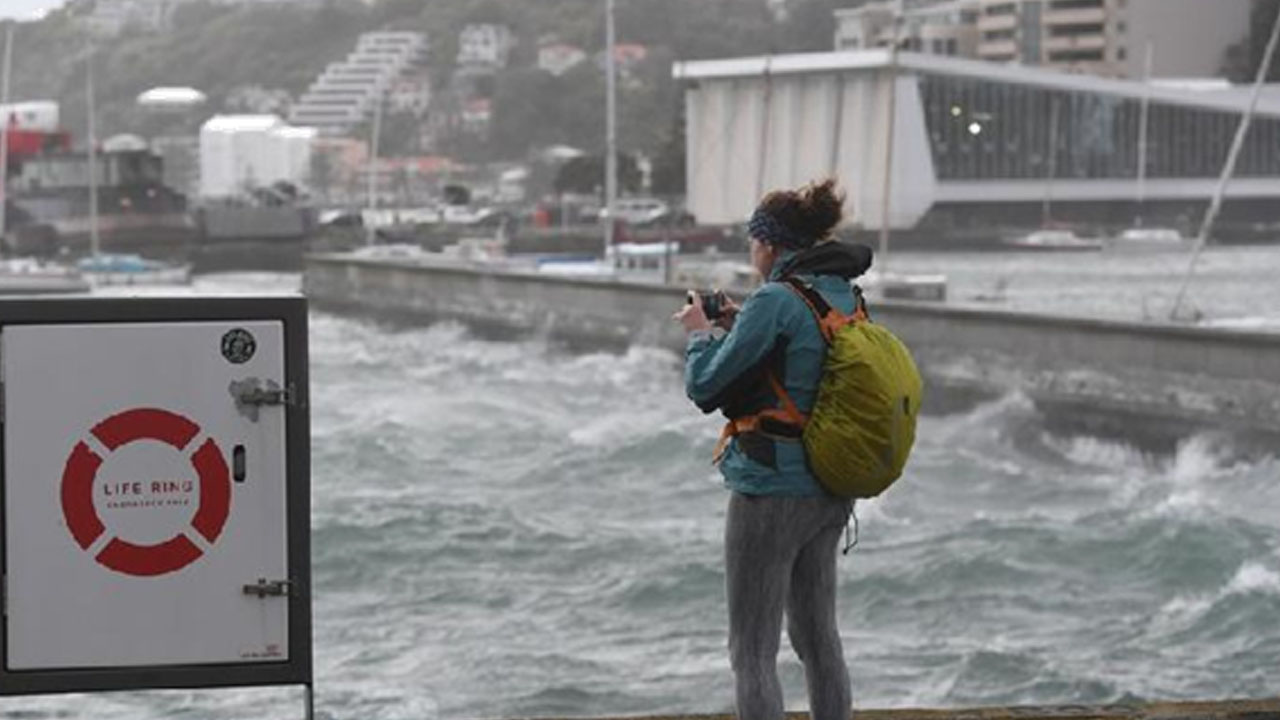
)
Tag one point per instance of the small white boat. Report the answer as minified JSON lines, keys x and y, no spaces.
{"x":1053,"y":240}
{"x":129,"y":269}
{"x":33,"y":276}
{"x":390,"y":251}
{"x":582,"y":267}
{"x":1153,"y":238}
{"x":904,"y":286}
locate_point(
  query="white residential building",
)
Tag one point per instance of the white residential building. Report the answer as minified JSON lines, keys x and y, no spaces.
{"x":476,"y":116}
{"x":559,"y":58}
{"x":410,"y":94}
{"x":1189,"y":38}
{"x":937,"y":27}
{"x":484,"y":46}
{"x":111,"y":17}
{"x":347,"y":92}
{"x":241,"y":152}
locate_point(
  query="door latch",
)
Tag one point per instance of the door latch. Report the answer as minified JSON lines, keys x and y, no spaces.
{"x":268,"y":588}
{"x":251,"y":394}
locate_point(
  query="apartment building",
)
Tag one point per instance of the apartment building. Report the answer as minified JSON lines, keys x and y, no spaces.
{"x":484,"y":46}
{"x":1188,"y":38}
{"x":936,"y":27}
{"x":559,"y":58}
{"x":346,"y":93}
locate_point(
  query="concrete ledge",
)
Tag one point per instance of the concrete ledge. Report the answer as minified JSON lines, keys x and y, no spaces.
{"x":1218,"y":710}
{"x":1186,"y":379}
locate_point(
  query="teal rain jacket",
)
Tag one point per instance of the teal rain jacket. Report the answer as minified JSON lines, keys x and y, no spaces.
{"x":774,"y":331}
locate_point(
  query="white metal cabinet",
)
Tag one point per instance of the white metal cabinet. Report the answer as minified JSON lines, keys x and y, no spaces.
{"x":145,"y":488}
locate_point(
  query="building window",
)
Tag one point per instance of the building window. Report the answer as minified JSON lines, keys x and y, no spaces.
{"x":1075,"y":4}
{"x":1076,"y":30}
{"x":983,"y":130}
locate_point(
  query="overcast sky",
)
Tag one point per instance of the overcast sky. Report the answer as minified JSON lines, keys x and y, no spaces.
{"x":25,"y":9}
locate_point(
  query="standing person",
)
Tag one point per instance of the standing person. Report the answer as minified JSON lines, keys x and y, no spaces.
{"x":782,"y":528}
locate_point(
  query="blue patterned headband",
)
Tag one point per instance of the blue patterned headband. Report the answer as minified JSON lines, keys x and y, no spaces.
{"x":769,"y":229}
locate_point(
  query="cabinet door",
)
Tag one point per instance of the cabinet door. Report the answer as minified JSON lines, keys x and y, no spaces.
{"x":144,"y":494}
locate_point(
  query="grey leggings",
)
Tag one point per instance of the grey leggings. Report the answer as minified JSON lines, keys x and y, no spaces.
{"x":780,"y":553}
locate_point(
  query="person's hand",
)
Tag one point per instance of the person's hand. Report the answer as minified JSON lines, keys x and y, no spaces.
{"x":728,"y":313}
{"x":691,"y":316}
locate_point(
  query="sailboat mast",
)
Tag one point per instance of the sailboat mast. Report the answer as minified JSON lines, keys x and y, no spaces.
{"x":766,"y":111}
{"x":611,"y":126}
{"x":1229,"y":168}
{"x":890,"y":120}
{"x":1143,"y":122}
{"x":1052,"y":169}
{"x":372,"y":200}
{"x":4,"y":127}
{"x":94,"y":247}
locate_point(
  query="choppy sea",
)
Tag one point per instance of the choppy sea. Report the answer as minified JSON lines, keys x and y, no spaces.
{"x":508,"y":529}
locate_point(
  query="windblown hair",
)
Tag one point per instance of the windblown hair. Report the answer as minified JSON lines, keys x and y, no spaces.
{"x":812,"y":211}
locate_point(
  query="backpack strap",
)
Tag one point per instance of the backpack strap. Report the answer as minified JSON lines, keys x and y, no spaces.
{"x":785,"y":421}
{"x":829,"y":319}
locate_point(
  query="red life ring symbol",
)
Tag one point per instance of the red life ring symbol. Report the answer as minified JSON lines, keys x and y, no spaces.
{"x":178,"y":551}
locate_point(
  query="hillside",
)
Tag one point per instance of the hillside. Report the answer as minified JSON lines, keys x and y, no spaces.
{"x":218,"y":48}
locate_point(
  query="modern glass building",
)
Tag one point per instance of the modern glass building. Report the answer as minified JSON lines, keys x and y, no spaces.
{"x":976,"y":146}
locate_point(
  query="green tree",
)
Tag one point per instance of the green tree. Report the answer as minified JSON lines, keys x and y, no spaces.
{"x":669,"y":162}
{"x":1242,"y":59}
{"x":585,"y":175}
{"x":321,"y":173}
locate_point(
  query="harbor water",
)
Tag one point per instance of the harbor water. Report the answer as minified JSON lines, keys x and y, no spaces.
{"x":509,"y":529}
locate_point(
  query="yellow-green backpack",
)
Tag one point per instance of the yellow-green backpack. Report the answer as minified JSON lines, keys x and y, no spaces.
{"x":863,"y":422}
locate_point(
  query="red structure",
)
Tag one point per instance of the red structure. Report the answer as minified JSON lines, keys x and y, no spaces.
{"x":28,"y":143}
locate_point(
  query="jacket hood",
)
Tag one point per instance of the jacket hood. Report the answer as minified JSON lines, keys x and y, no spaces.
{"x":847,"y":260}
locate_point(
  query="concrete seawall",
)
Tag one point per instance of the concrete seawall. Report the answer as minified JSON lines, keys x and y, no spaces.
{"x":1222,"y":710}
{"x":1090,"y":375}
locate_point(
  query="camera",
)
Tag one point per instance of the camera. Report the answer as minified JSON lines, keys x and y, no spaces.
{"x":713,"y":303}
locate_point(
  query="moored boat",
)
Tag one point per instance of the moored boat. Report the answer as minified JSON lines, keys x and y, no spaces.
{"x":130,"y":269}
{"x":34,"y":276}
{"x":1053,"y":240}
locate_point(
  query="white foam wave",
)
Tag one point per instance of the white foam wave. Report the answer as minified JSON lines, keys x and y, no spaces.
{"x":1099,"y":453}
{"x":982,"y":419}
{"x":1191,"y":484}
{"x":1254,"y":577}
{"x":623,"y":428}
{"x":1198,"y":458}
{"x":1183,"y":611}
{"x":876,"y":511}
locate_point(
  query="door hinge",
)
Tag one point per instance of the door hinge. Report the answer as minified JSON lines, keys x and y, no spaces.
{"x":268,"y":588}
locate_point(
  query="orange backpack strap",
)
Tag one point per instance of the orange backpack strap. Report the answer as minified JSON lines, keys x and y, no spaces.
{"x":829,"y":319}
{"x":788,"y":413}
{"x":788,"y":416}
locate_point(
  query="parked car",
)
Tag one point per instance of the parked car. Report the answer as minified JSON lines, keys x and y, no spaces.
{"x":649,"y":212}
